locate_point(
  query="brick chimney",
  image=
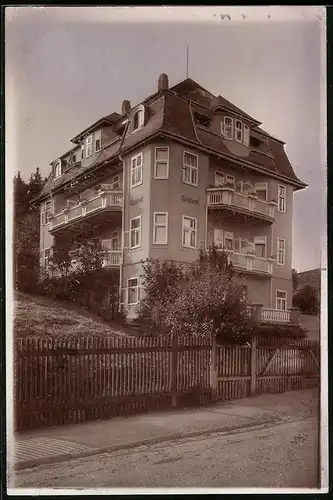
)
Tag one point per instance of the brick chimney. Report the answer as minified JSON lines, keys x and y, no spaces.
{"x":163,"y":82}
{"x":125,"y":108}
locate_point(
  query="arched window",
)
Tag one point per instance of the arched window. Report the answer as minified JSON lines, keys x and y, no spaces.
{"x":58,"y":169}
{"x":138,"y":119}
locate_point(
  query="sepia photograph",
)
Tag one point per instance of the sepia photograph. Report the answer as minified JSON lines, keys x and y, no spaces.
{"x":166,"y":250}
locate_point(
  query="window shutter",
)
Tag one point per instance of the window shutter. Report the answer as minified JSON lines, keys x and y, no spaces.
{"x":126,"y":239}
{"x":43,"y":218}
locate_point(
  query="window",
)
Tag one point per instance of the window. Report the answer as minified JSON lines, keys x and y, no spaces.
{"x":112,"y":243}
{"x":161,"y":170}
{"x":281,"y":198}
{"x":239,"y":131}
{"x":228,"y":240}
{"x":218,"y":237}
{"x":98,"y":143}
{"x":115,"y":182}
{"x":189,"y":232}
{"x":230,"y":180}
{"x":88,"y":146}
{"x":261,"y":190}
{"x":281,"y":251}
{"x":47,"y":255}
{"x":82,"y":151}
{"x":160,"y":230}
{"x":260,"y":246}
{"x":46,"y":214}
{"x":132,"y":291}
{"x":190,"y":169}
{"x":58,"y":169}
{"x":219,"y":178}
{"x":136,"y":170}
{"x":138,"y":119}
{"x":246,"y":135}
{"x":281,"y":300}
{"x":227,"y":127}
{"x":135,"y":230}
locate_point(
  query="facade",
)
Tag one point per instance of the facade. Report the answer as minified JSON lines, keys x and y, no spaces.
{"x":179,"y":171}
{"x":311,"y":278}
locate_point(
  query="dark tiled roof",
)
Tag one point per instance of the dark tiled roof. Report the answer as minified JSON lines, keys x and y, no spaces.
{"x":177,"y":117}
{"x":221,"y":101}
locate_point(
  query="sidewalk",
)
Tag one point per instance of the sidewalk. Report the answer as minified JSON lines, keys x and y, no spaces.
{"x":51,"y":445}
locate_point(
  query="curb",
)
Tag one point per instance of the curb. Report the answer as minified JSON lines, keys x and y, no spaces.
{"x":232,"y":429}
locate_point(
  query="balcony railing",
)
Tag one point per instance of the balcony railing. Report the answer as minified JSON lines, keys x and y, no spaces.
{"x":226,"y":196}
{"x":250,"y":262}
{"x":273,"y":316}
{"x":112,"y":258}
{"x":104,"y":200}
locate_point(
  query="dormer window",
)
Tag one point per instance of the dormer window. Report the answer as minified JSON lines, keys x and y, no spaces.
{"x":82,"y":151}
{"x":239,"y":131}
{"x":88,"y":146}
{"x":235,"y":129}
{"x":227,"y":127}
{"x":58,"y":169}
{"x":98,"y":145}
{"x":138,"y":118}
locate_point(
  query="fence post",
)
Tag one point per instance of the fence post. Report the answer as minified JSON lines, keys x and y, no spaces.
{"x":213,"y":369}
{"x":253,"y":366}
{"x":174,"y":355}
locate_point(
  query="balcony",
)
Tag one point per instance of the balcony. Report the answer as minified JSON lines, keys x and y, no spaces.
{"x":266,"y":315}
{"x":251,"y":263}
{"x":113,"y":258}
{"x":245,"y":204}
{"x":92,"y":208}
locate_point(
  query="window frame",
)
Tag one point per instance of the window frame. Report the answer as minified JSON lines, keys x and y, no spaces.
{"x":189,"y":229}
{"x":231,"y":127}
{"x":262,"y":189}
{"x":156,"y":162}
{"x":98,"y":137}
{"x":46,"y":258}
{"x":246,"y":134}
{"x":136,"y":230}
{"x":260,"y":240}
{"x":280,"y":298}
{"x":58,"y":169}
{"x":45,"y":220}
{"x":139,"y":155}
{"x":136,"y":287}
{"x":222,"y":174}
{"x":113,"y":182}
{"x":140,"y":121}
{"x":279,"y":251}
{"x":215,"y":240}
{"x":195,"y":169}
{"x":239,"y":129}
{"x":228,"y":235}
{"x":231,"y":178}
{"x":155,"y":225}
{"x":82,"y":151}
{"x":282,"y":197}
{"x":89,"y":145}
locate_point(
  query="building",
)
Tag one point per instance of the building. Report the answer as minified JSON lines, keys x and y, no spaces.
{"x":175,"y":173}
{"x":311,"y":278}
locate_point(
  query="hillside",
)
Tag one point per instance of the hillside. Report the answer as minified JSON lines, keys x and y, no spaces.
{"x":40,"y":316}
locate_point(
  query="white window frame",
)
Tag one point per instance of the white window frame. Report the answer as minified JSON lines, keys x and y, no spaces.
{"x":219,"y":173}
{"x":262,"y":186}
{"x":283,"y":198}
{"x":191,"y":168}
{"x":141,"y":119}
{"x":281,"y":251}
{"x":218,"y":241}
{"x":98,"y":137}
{"x":157,"y":162}
{"x":228,"y":236}
{"x":58,"y":169}
{"x":82,"y":152}
{"x":45,"y":217}
{"x":135,"y":230}
{"x":231,"y":179}
{"x":46,"y":259}
{"x":136,"y":287}
{"x":114,"y":182}
{"x":89,"y":146}
{"x":160,"y":224}
{"x":240,"y":130}
{"x":135,"y":169}
{"x":261,"y":240}
{"x":230,"y":127}
{"x":190,"y":230}
{"x":284,"y":300}
{"x":246,"y":135}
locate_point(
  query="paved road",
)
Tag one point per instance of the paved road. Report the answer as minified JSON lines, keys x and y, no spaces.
{"x":283,"y":456}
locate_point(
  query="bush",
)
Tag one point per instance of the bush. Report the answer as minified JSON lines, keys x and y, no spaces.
{"x":307,"y":300}
{"x":281,"y":331}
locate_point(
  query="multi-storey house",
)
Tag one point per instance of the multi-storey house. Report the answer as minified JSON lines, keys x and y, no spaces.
{"x":178,"y":172}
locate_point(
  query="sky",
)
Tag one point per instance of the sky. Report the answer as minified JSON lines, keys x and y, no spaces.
{"x":67,"y":67}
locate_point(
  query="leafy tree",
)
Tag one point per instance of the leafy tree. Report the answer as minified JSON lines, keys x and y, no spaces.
{"x":207,"y":296}
{"x":307,"y":300}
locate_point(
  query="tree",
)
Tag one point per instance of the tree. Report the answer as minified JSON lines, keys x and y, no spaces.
{"x":206,"y":297}
{"x":307,"y":300}
{"x":295,"y":279}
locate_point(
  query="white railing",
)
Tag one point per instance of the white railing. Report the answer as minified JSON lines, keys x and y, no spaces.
{"x":112,"y":258}
{"x":274,"y":316}
{"x":105,"y":199}
{"x":250,"y":262}
{"x":229,"y":197}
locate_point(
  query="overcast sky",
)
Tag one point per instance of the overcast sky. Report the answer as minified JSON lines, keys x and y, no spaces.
{"x":67,"y":67}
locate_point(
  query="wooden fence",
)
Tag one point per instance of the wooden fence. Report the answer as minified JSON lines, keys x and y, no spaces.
{"x":71,"y":381}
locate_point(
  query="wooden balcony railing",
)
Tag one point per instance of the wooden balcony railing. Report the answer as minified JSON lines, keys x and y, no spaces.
{"x":250,"y":262}
{"x":226,"y":196}
{"x":104,"y":200}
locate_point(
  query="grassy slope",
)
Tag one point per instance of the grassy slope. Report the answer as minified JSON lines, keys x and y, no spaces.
{"x":41,"y":317}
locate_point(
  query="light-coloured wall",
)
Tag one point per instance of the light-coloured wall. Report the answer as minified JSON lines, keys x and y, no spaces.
{"x":258,"y":289}
{"x":46,"y":239}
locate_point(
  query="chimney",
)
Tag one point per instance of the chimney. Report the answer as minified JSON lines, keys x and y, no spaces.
{"x":163,"y":82}
{"x":125,"y":108}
